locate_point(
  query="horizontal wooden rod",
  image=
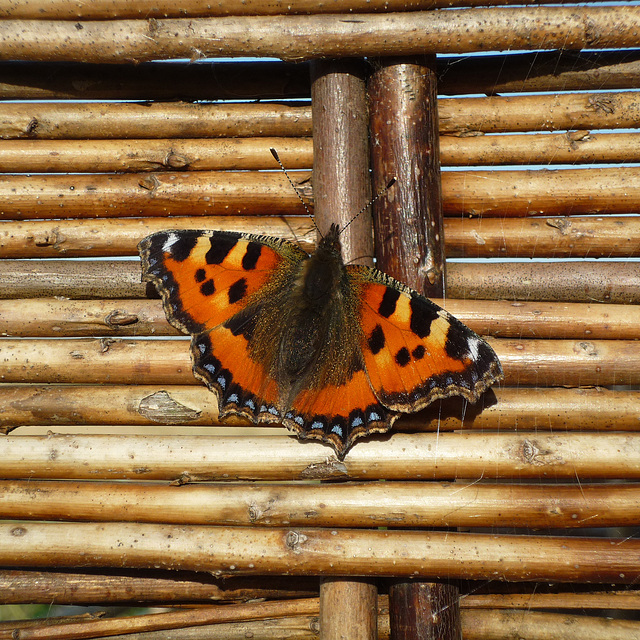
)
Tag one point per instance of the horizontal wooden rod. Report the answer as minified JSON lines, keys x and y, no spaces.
{"x":201,"y":616}
{"x":577,"y":282}
{"x":19,"y":586}
{"x":156,"y":194}
{"x":476,"y":625}
{"x":508,"y":193}
{"x":53,"y":317}
{"x":538,"y":625}
{"x":101,"y":237}
{"x":321,"y":36}
{"x":400,"y":456}
{"x":539,"y":596}
{"x":558,"y":237}
{"x":130,"y":120}
{"x":359,"y":505}
{"x":110,"y":9}
{"x":302,"y":551}
{"x":202,"y":154}
{"x":538,"y":193}
{"x":573,"y":147}
{"x":183,"y":407}
{"x":457,"y":117}
{"x":22,"y":586}
{"x":501,"y":114}
{"x":531,"y":362}
{"x":594,"y":282}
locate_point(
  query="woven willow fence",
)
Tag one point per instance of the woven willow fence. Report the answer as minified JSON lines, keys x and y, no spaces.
{"x":119,"y":485}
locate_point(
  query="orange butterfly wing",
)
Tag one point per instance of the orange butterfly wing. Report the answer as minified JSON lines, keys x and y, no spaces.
{"x":414,"y":351}
{"x":206,"y":279}
{"x":340,"y":414}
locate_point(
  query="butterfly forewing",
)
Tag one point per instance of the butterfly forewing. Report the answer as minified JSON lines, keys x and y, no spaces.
{"x":205,"y":277}
{"x":414,"y":351}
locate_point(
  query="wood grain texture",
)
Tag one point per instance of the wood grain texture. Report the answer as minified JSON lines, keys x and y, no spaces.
{"x":321,"y":36}
{"x":405,"y":146}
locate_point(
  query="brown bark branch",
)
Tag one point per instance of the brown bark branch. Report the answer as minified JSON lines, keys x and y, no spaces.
{"x":110,"y":9}
{"x":500,"y":114}
{"x":105,"y":156}
{"x":457,"y":116}
{"x":151,"y":194}
{"x":357,"y":505}
{"x":405,"y":145}
{"x":120,"y":236}
{"x":536,"y":626}
{"x":341,"y":180}
{"x":505,"y":408}
{"x":476,"y":625}
{"x":505,"y":193}
{"x":540,"y":596}
{"x":528,"y":193}
{"x":121,"y":361}
{"x":96,"y":156}
{"x":172,"y":620}
{"x":552,"y":281}
{"x":21,"y":586}
{"x":348,"y":609}
{"x":434,"y":456}
{"x":566,"y":237}
{"x":602,"y":282}
{"x":573,"y":147}
{"x":121,"y":587}
{"x":571,"y":236}
{"x":296,"y":38}
{"x":80,"y":121}
{"x":253,"y":551}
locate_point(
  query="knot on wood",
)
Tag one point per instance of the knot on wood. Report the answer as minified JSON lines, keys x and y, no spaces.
{"x":161,"y":407}
{"x":294,"y":540}
{"x":119,"y":318}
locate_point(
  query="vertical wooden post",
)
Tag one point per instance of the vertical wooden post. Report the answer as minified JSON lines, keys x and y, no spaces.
{"x":348,"y":609}
{"x":424,"y":611}
{"x":405,"y":145}
{"x":341,"y":183}
{"x":410,"y":247}
{"x":341,"y":186}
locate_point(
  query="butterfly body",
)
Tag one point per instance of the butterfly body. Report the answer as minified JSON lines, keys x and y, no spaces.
{"x":332,"y":351}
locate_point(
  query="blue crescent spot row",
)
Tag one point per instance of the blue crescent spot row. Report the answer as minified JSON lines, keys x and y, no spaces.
{"x":234,"y":397}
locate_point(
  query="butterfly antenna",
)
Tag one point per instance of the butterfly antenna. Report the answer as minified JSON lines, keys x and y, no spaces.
{"x":274,"y":153}
{"x":366,"y":206}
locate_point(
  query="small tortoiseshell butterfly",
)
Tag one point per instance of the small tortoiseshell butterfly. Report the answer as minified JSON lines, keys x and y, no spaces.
{"x":332,"y":351}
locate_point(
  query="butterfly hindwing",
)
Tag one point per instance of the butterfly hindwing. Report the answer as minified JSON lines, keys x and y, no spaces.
{"x":340,"y":414}
{"x":241,"y":384}
{"x":414,"y":351}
